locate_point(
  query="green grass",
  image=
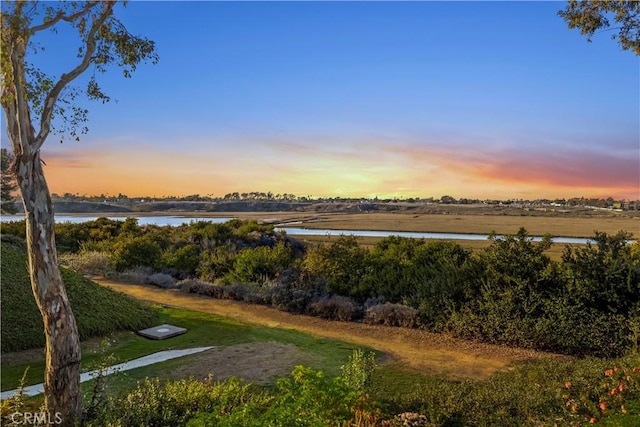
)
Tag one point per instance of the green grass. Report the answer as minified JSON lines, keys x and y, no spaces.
{"x":98,"y":310}
{"x":203,"y":330}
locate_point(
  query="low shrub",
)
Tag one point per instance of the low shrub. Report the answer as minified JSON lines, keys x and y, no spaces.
{"x":358,"y":371}
{"x":88,"y":262}
{"x":336,"y":308}
{"x":136,"y":275}
{"x":175,"y":403}
{"x":162,"y":280}
{"x":291,"y":299}
{"x":201,"y":288}
{"x":235,"y":291}
{"x":306,"y":398}
{"x":188,"y":283}
{"x":391,"y":315}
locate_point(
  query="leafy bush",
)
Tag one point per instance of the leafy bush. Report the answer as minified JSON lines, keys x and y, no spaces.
{"x":357,"y":373}
{"x":391,"y":315}
{"x":262,"y":263}
{"x":174,"y":403}
{"x":344,"y":264}
{"x":184,"y":259}
{"x":202,"y":288}
{"x":88,"y":262}
{"x":307,"y":398}
{"x":131,"y":252}
{"x":336,"y":308}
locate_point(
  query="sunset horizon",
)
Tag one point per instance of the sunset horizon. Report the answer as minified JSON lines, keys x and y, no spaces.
{"x":481,"y":100}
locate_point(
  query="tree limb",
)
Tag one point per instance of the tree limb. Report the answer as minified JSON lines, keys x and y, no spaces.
{"x":50,"y":100}
{"x":60,"y":16}
{"x":20,"y":102}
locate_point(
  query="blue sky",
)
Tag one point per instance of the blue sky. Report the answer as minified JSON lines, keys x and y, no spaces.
{"x":472,"y":99}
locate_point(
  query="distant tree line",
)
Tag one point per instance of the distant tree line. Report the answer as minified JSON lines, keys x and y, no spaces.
{"x":605,"y":203}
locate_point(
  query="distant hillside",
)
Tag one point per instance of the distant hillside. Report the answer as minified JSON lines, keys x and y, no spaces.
{"x":98,"y":310}
{"x":84,"y":207}
{"x":335,"y":206}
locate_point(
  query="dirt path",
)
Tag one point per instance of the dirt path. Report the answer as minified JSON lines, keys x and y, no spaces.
{"x":422,"y":351}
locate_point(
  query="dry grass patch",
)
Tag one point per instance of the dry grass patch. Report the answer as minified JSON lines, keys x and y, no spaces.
{"x":258,"y":362}
{"x":475,"y":224}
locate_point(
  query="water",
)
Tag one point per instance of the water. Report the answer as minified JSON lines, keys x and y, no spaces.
{"x":173,"y":221}
{"x":296,"y":231}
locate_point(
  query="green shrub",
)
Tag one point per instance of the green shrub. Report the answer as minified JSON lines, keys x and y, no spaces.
{"x":262,"y":263}
{"x":344,"y":264}
{"x":152,"y":404}
{"x":130,"y":252}
{"x":184,"y":259}
{"x":307,"y":398}
{"x":357,"y":373}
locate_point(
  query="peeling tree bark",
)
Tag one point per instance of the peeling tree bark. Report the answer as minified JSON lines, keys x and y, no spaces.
{"x":62,"y":376}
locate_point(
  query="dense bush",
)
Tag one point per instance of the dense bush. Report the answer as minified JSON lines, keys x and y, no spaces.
{"x":174,"y":403}
{"x":391,"y":315}
{"x":344,"y":264}
{"x":262,"y":263}
{"x":131,"y":252}
{"x":183,"y":259}
{"x":336,"y":308}
{"x":162,"y":280}
{"x":88,"y":262}
{"x":307,"y":398}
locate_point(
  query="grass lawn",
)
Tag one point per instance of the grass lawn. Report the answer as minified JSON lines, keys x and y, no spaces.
{"x":203,"y":330}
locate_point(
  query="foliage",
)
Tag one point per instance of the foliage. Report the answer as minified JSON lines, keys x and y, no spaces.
{"x":173,"y":403}
{"x":98,"y":310}
{"x":184,"y":259}
{"x":336,"y":308}
{"x":359,"y":369}
{"x":262,"y":263}
{"x":533,"y":393}
{"x":88,"y":262}
{"x":511,"y":292}
{"x":344,"y":263}
{"x":605,"y":276}
{"x":307,"y":398}
{"x":7,"y":184}
{"x":129,"y":252}
{"x":587,"y":401}
{"x":591,"y":16}
{"x":391,"y":315}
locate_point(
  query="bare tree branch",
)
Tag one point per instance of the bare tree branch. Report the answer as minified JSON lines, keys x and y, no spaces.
{"x":20,"y":102}
{"x":60,"y":16}
{"x":50,"y":100}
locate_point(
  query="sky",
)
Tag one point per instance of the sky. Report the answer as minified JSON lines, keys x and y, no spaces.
{"x":357,"y":99}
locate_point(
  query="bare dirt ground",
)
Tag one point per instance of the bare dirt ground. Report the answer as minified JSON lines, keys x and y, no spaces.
{"x":423,"y":352}
{"x":258,"y":362}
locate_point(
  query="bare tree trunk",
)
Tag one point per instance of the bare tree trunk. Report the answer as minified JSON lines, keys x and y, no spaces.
{"x":62,"y":377}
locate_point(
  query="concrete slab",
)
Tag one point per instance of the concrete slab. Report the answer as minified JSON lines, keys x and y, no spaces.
{"x":150,"y":359}
{"x":162,"y":332}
